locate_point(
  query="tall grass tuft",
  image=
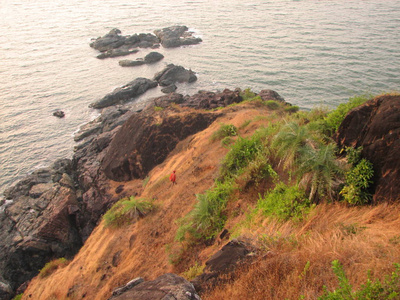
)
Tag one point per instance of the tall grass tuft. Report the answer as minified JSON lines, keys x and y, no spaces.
{"x":53,"y":265}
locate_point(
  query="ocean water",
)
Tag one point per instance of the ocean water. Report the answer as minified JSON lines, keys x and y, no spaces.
{"x":310,"y":52}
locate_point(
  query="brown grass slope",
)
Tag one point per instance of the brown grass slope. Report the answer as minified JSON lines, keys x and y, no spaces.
{"x":295,"y":258}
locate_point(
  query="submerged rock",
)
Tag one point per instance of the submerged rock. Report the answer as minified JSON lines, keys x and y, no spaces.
{"x":375,"y":126}
{"x":176,"y":36}
{"x":150,"y":58}
{"x":125,"y":93}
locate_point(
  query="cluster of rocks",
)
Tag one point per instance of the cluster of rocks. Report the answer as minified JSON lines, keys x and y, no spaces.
{"x":114,"y":44}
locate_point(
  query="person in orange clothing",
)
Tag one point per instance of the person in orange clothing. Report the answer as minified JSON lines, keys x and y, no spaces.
{"x":172,"y":177}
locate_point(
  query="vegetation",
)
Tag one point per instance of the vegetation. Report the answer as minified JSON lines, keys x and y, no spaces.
{"x":285,"y":202}
{"x":158,"y":108}
{"x":207,"y":218}
{"x":18,"y":297}
{"x":53,"y":265}
{"x":225,"y":130}
{"x":389,"y":288}
{"x":193,"y":271}
{"x":125,"y":211}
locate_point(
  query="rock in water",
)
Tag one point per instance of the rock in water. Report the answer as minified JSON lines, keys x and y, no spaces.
{"x":375,"y":126}
{"x":125,"y":93}
{"x":59,"y":114}
{"x":176,"y":36}
{"x":172,"y":74}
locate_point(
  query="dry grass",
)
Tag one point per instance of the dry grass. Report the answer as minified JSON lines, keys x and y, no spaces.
{"x":297,"y":261}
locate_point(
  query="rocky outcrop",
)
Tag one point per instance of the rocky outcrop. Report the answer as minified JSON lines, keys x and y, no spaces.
{"x":167,"y":286}
{"x":224,"y":262}
{"x":39,"y":223}
{"x":176,"y":36}
{"x":210,"y":100}
{"x":270,"y":95}
{"x":150,"y":58}
{"x":172,"y":74}
{"x":114,"y":44}
{"x":146,"y":139}
{"x":125,"y":93}
{"x":375,"y":126}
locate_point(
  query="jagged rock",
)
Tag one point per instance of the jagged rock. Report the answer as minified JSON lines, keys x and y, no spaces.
{"x":59,"y":114}
{"x":169,"y":89}
{"x":37,"y":225}
{"x":223,"y":262}
{"x":165,"y":101}
{"x":116,"y":52}
{"x":209,"y":100}
{"x":167,"y":286}
{"x":172,"y":74}
{"x":153,"y":57}
{"x":131,"y":284}
{"x":145,"y":140}
{"x":375,"y":126}
{"x":176,"y":36}
{"x":113,"y":44}
{"x":270,"y":95}
{"x":125,"y":93}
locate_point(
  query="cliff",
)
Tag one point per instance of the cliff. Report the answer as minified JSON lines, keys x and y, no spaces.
{"x":251,"y":251}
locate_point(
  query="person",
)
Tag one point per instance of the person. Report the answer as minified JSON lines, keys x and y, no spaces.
{"x":172,"y":177}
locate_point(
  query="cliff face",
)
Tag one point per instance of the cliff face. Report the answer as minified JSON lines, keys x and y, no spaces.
{"x":375,"y":126}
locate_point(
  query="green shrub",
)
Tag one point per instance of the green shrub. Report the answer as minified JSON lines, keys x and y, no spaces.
{"x":285,"y":202}
{"x":247,"y":94}
{"x":125,"y":211}
{"x":225,"y":130}
{"x":158,"y":108}
{"x":358,"y":181}
{"x":18,"y":297}
{"x":291,"y":108}
{"x":272,"y":104}
{"x":193,"y":272}
{"x":333,"y":120}
{"x":389,"y":288}
{"x":260,"y":168}
{"x":206,"y":219}
{"x":51,"y":266}
{"x":241,"y":153}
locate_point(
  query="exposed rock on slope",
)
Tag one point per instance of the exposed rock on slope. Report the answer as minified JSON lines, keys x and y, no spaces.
{"x":375,"y":126}
{"x":167,"y":286}
{"x":145,"y":140}
{"x":209,"y":100}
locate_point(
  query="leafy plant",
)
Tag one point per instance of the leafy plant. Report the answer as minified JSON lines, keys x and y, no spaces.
{"x":206,"y":219}
{"x":333,"y":120}
{"x":317,"y":169}
{"x":158,"y":108}
{"x":260,"y":168}
{"x":242,"y":152}
{"x":53,"y":265}
{"x":272,"y":104}
{"x":291,"y":108}
{"x":193,"y":272}
{"x":389,"y":288}
{"x":18,"y":297}
{"x":358,"y":180}
{"x":126,"y":210}
{"x":247,"y":94}
{"x":225,"y":130}
{"x":285,"y":202}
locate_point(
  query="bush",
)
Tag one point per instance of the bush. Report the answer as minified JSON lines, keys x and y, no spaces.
{"x":158,"y":108}
{"x":193,"y":272}
{"x":225,"y":130}
{"x":358,"y":181}
{"x":241,"y":153}
{"x":247,"y":94}
{"x":18,"y":297}
{"x":333,"y":120}
{"x":260,"y":168}
{"x":126,"y":210}
{"x":206,"y":219}
{"x":389,"y":288}
{"x":285,"y":202}
{"x":291,"y":108}
{"x":272,"y":104}
{"x":53,"y":265}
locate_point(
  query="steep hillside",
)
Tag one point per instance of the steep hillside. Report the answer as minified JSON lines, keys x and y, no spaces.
{"x":296,"y":221}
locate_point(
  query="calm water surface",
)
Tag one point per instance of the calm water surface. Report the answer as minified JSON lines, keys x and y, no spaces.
{"x":311,"y":52}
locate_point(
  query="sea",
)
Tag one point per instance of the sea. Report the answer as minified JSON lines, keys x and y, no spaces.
{"x":312,"y":52}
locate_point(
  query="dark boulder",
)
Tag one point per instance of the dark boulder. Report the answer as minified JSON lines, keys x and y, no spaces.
{"x":153,"y":57}
{"x":209,"y":100}
{"x":270,"y":95}
{"x":59,"y":114}
{"x":169,"y":89}
{"x":116,"y":52}
{"x":167,"y":286}
{"x":146,"y":139}
{"x":131,"y":63}
{"x":375,"y":126}
{"x":224,"y":262}
{"x":125,"y":93}
{"x":176,"y":36}
{"x":111,"y":40}
{"x":172,"y":74}
{"x":165,"y":101}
